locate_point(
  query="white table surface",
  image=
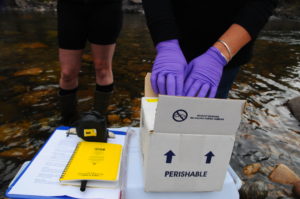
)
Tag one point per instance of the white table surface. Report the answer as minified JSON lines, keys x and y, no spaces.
{"x":134,"y":185}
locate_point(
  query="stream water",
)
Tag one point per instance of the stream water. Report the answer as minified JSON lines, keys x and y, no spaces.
{"x":29,"y":73}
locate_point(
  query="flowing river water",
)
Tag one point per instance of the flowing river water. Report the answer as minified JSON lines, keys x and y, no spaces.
{"x":29,"y":73}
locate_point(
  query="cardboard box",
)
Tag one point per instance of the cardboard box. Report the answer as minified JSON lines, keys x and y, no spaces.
{"x":187,"y":142}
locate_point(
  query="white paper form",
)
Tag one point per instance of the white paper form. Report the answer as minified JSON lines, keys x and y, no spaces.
{"x":42,"y":176}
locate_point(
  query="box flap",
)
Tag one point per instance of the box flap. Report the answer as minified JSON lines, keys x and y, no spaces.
{"x":149,"y":105}
{"x":148,"y":88}
{"x":194,"y":115}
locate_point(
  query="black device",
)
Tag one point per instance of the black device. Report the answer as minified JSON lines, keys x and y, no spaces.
{"x":91,"y":127}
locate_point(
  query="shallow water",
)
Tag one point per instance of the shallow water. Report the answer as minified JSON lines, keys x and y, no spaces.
{"x":29,"y":73}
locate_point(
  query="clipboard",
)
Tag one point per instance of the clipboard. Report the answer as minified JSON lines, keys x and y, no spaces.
{"x":11,"y":193}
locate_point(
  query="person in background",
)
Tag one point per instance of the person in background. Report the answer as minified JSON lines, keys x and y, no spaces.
{"x":202,"y":44}
{"x":79,"y":21}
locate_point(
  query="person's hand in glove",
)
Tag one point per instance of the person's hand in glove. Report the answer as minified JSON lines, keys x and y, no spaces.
{"x":206,"y":71}
{"x":168,"y":70}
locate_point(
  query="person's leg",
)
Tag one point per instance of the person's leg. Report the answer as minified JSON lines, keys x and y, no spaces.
{"x":102,"y":57}
{"x":70,"y":63}
{"x":72,"y":35}
{"x":228,"y":77}
{"x":104,"y":27}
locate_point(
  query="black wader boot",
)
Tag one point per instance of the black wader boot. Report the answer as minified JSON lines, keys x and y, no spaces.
{"x":68,"y":108}
{"x":102,"y":100}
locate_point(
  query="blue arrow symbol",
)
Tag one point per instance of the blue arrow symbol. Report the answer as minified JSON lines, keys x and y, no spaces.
{"x":209,"y":156}
{"x":169,"y":155}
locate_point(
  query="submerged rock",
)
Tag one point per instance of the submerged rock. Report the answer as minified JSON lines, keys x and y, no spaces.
{"x":33,"y":45}
{"x":30,"y":71}
{"x":34,"y":97}
{"x":135,"y":112}
{"x":294,"y":107}
{"x":283,"y":175}
{"x":136,"y":1}
{"x":254,"y":190}
{"x":126,"y":121}
{"x":251,"y":169}
{"x":2,"y":165}
{"x":113,"y":118}
{"x":266,"y":170}
{"x":21,"y":153}
{"x":2,"y":78}
{"x":296,"y":190}
{"x":13,"y":130}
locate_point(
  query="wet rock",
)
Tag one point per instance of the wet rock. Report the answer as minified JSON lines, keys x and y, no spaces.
{"x":142,"y":74}
{"x":247,"y":136}
{"x":21,"y":153}
{"x":283,"y":175}
{"x":111,"y":107}
{"x":113,"y":118}
{"x":135,"y":115}
{"x":256,"y":156}
{"x":271,"y":187}
{"x":296,"y":190}
{"x":13,"y":130}
{"x":52,"y":33}
{"x":136,"y":109}
{"x":265,"y":170}
{"x":136,"y":1}
{"x":136,"y":101}
{"x":34,"y":97}
{"x":251,"y":169}
{"x":2,"y":165}
{"x":20,"y":88}
{"x":259,"y":156}
{"x":33,"y":45}
{"x":127,"y":121}
{"x":21,"y":3}
{"x":45,"y":129}
{"x":294,"y":107}
{"x":135,"y":112}
{"x":31,"y":71}
{"x":44,"y":122}
{"x":254,"y":190}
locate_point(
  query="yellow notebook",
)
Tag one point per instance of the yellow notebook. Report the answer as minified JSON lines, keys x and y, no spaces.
{"x":93,"y":161}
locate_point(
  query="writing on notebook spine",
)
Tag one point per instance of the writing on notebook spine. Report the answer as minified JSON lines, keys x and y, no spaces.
{"x":69,"y":162}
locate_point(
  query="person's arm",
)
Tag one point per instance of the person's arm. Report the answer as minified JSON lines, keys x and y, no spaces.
{"x":207,"y":69}
{"x":232,"y":41}
{"x":160,"y":20}
{"x":169,"y":66}
{"x":254,"y":15}
{"x":249,"y":21}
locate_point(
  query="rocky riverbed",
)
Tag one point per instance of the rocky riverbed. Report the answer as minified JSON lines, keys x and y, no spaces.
{"x":268,"y":135}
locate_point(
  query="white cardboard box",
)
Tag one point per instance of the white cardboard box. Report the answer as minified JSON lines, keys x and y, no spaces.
{"x":187,"y":142}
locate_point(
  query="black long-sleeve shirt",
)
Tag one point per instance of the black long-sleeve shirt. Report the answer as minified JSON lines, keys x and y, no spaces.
{"x":198,"y":24}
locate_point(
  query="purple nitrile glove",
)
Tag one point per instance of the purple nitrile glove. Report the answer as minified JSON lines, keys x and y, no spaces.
{"x":205,"y":75}
{"x":168,"y":70}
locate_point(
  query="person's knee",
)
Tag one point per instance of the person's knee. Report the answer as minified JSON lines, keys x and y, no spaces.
{"x":103,"y":68}
{"x":102,"y":64}
{"x":68,"y":76}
